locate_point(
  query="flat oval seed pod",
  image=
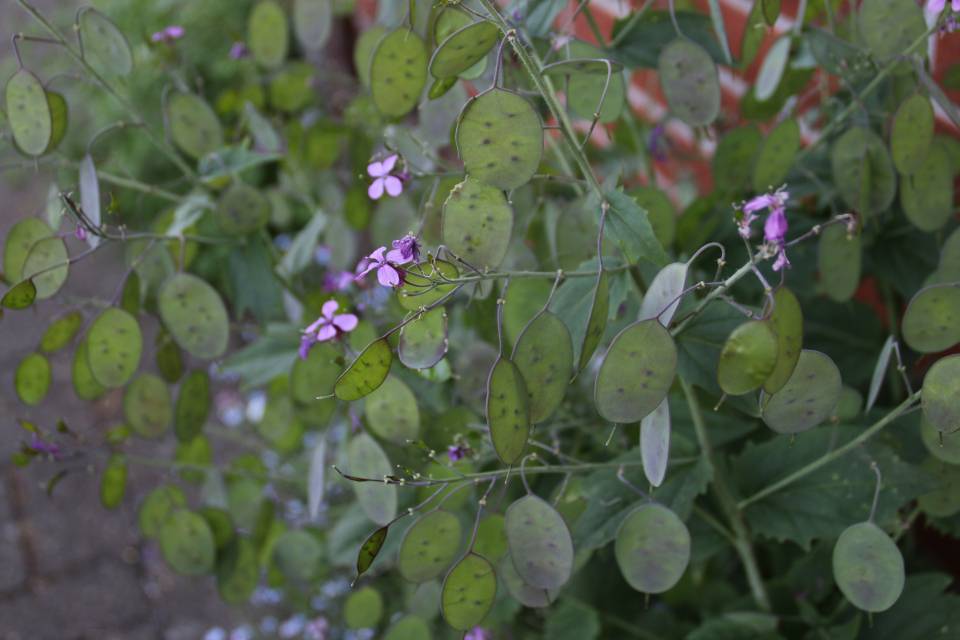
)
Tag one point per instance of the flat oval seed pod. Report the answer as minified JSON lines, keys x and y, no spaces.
{"x":839,"y":259}
{"x":423,"y":342}
{"x":940,"y":397}
{"x":652,"y":548}
{"x":586,"y":81}
{"x":90,"y":197}
{"x":663,"y":295}
{"x":776,"y":155}
{"x":597,"y":321}
{"x":491,"y":542}
{"x":84,"y":384}
{"x":429,"y":546}
{"x":508,"y":413}
{"x":363,"y":609}
{"x":862,"y":171}
{"x":787,"y":323}
{"x":242,"y":209}
{"x":192,"y":124}
{"x":689,"y":80}
{"x":297,"y":554}
{"x":944,"y":501}
{"x":409,"y":627}
{"x":194,"y":314}
{"x":926,"y":195}
{"x":468,"y":592}
{"x":525,"y":594}
{"x":19,"y":242}
{"x":61,"y":331}
{"x":268,"y":35}
{"x":313,"y":378}
{"x":28,"y":113}
{"x":32,"y":379}
{"x":187,"y":543}
{"x":477,"y":223}
{"x":238,"y":571}
{"x":193,"y":406}
{"x":733,"y":160}
{"x":367,"y":460}
{"x":879,"y":372}
{"x":392,"y":412}
{"x":932,"y":320}
{"x":539,"y":543}
{"x":366,"y":373}
{"x":500,"y":139}
{"x":370,"y":549}
{"x":942,"y":446}
{"x":47,"y":265}
{"x":636,"y":372}
{"x":398,"y":73}
{"x":19,"y":296}
{"x":888,"y":27}
{"x":312,"y":20}
{"x":911,"y":133}
{"x":103,"y":44}
{"x":463,"y":49}
{"x":544,"y":356}
{"x":418,"y":289}
{"x":114,"y":344}
{"x":868,"y":567}
{"x":809,"y":397}
{"x":147,"y":406}
{"x":655,"y":443}
{"x":949,"y":267}
{"x":747,"y":358}
{"x":113,"y":482}
{"x":157,"y":508}
{"x":772,"y":68}
{"x":59,"y":119}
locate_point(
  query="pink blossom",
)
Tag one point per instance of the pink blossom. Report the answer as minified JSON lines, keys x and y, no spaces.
{"x":80,"y":233}
{"x":775,"y":228}
{"x":936,"y":6}
{"x":169,"y":34}
{"x":405,"y":250}
{"x":478,"y":633}
{"x":457,"y":452}
{"x":773,"y":201}
{"x":387,"y":273}
{"x":384,"y":180}
{"x":328,"y":326}
{"x":39,"y":445}
{"x":239,"y":50}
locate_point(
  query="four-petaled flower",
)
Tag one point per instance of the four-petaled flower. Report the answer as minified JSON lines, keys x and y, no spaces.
{"x":387,"y":263}
{"x":168,"y":34}
{"x":936,"y":6}
{"x":383,"y":179}
{"x":457,"y":452}
{"x":328,"y":326}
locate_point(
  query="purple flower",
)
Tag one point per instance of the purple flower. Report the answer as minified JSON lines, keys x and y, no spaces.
{"x":478,"y":633}
{"x":773,"y":201}
{"x":169,"y":34}
{"x":655,"y":143}
{"x":239,"y":50}
{"x":334,"y":281}
{"x":383,"y":179}
{"x":80,"y":233}
{"x":39,"y":445}
{"x":328,"y":326}
{"x":936,"y":6}
{"x":775,"y":228}
{"x":457,"y":452}
{"x":405,"y":250}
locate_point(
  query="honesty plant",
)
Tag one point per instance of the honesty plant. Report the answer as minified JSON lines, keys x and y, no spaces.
{"x":561,"y":392}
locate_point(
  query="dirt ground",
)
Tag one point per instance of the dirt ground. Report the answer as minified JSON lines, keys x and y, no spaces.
{"x":70,"y":569}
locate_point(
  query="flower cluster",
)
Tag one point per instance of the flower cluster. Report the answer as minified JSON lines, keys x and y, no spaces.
{"x":388,"y":264}
{"x":168,"y":34}
{"x":936,"y":6}
{"x":775,"y":226}
{"x":328,"y":326}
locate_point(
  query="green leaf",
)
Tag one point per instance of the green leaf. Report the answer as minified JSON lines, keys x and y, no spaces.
{"x":272,"y":355}
{"x":253,"y":285}
{"x":573,"y":620}
{"x":300,"y":254}
{"x":925,"y":610}
{"x":647,"y":37}
{"x":628,"y":226}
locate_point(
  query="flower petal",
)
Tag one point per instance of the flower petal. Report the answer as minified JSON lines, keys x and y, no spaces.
{"x":327,"y":332}
{"x":388,"y":276}
{"x":376,"y":170}
{"x":316,"y":325}
{"x":935,"y":6}
{"x":375,"y":190}
{"x":389,"y":163}
{"x":346,"y":322}
{"x":329,"y":308}
{"x":394,"y":186}
{"x":395,"y":256}
{"x":307,"y":341}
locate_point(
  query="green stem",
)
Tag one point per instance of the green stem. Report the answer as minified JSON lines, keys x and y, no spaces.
{"x":160,"y":144}
{"x":496,"y":275}
{"x":136,"y":185}
{"x":716,"y":293}
{"x":741,"y":535}
{"x":837,"y":453}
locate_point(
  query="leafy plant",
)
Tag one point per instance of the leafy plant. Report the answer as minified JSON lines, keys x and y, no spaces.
{"x":477,"y":354}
